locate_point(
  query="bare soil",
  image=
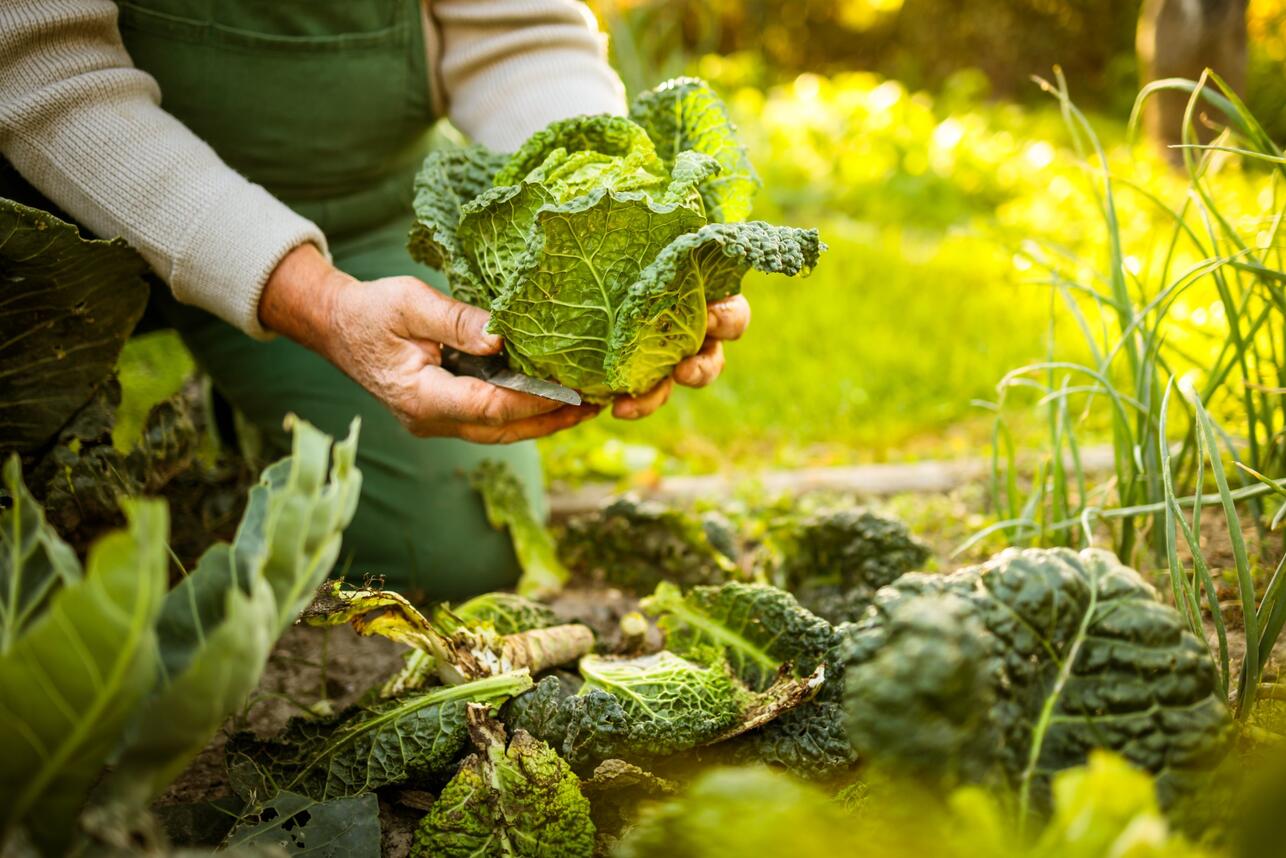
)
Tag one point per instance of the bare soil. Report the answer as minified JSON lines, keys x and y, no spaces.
{"x":311,"y":671}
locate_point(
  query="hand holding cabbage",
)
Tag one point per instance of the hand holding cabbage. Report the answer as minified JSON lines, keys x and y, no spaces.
{"x":601,"y":246}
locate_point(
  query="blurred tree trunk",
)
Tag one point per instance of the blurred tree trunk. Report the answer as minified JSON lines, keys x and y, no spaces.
{"x":1182,"y":38}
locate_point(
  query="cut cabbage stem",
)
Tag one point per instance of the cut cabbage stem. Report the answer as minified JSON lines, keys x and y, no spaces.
{"x":471,"y":654}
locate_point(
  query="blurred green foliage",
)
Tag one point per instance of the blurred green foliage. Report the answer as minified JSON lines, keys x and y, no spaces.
{"x":921,"y":42}
{"x":152,"y":367}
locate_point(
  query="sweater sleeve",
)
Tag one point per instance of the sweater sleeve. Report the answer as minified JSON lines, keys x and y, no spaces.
{"x":86,"y":128}
{"x":510,"y":67}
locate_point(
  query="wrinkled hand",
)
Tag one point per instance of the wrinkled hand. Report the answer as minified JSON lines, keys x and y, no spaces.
{"x":727,"y":320}
{"x":387,"y":335}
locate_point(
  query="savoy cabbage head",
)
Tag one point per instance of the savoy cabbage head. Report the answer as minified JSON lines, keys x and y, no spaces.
{"x":1022,"y":666}
{"x":599,"y":243}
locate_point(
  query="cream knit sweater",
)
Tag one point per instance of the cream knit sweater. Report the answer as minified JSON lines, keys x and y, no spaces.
{"x":89,"y":131}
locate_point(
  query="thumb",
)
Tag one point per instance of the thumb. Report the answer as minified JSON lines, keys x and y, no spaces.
{"x":434,"y":316}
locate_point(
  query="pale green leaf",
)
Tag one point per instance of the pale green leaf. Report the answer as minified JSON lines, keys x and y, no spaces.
{"x":663,"y":317}
{"x":72,"y":681}
{"x":686,"y":114}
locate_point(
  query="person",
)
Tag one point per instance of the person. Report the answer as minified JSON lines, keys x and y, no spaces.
{"x":260,"y":156}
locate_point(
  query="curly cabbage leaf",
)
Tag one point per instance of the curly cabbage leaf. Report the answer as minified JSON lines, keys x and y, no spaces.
{"x":506,"y":613}
{"x":663,"y":691}
{"x":583,"y":258}
{"x":515,"y":799}
{"x":762,"y":629}
{"x":448,"y":179}
{"x":507,"y":505}
{"x":757,"y":628}
{"x":685,"y":114}
{"x":1064,"y":652}
{"x":639,"y":709}
{"x":598,"y":244}
{"x":367,"y":747}
{"x":663,"y":317}
{"x":635,"y":545}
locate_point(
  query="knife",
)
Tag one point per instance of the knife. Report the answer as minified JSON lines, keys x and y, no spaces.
{"x":495,"y":370}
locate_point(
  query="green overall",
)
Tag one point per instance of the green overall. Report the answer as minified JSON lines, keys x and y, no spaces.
{"x":326,"y":104}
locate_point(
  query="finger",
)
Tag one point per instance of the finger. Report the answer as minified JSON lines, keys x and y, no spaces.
{"x":532,"y":427}
{"x":459,"y":398}
{"x":703,"y":367}
{"x":729,"y":318}
{"x":430,"y":315}
{"x":634,"y":407}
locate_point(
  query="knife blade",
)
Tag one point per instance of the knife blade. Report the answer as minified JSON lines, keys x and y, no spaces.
{"x":494,"y":369}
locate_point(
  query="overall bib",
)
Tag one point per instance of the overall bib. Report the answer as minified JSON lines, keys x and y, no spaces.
{"x":326,"y":104}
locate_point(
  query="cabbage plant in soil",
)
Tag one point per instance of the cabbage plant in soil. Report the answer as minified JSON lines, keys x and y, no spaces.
{"x":598,"y":245}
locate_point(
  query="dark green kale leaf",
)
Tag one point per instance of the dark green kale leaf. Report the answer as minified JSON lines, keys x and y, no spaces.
{"x":1065,"y":652}
{"x":635,"y":545}
{"x":82,"y":478}
{"x":615,"y":791}
{"x":339,"y":828}
{"x":927,"y":665}
{"x":515,"y":799}
{"x":762,"y":629}
{"x":834,"y":560}
{"x":758,"y":628}
{"x":409,"y":739}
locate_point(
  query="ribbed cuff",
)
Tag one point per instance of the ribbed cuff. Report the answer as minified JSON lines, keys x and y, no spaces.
{"x":506,"y":105}
{"x":232,"y":249}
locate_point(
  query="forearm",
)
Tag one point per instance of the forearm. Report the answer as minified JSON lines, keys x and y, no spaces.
{"x":85,"y":127}
{"x":299,"y":298}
